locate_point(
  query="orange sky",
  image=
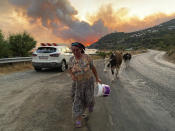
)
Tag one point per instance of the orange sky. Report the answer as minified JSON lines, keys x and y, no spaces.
{"x":64,"y":21}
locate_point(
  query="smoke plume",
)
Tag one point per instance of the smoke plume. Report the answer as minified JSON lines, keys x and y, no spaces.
{"x":59,"y":16}
{"x":56,"y":20}
{"x":121,"y":20}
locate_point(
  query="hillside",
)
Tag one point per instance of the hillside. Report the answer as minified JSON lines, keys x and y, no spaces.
{"x":160,"y":37}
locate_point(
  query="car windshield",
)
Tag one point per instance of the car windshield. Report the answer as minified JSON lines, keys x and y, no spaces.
{"x":46,"y":50}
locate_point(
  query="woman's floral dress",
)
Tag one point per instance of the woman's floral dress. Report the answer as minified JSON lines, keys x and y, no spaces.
{"x":83,"y":87}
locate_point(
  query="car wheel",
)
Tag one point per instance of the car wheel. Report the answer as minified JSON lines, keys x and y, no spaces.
{"x":63,"y":66}
{"x":37,"y":69}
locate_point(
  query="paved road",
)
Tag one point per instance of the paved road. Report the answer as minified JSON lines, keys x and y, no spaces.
{"x":142,"y":99}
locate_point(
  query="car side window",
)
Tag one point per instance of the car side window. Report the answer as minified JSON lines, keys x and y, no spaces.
{"x":68,"y":50}
{"x":61,"y":50}
{"x":64,"y":50}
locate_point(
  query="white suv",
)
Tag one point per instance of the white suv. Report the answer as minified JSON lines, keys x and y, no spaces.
{"x":51,"y":56}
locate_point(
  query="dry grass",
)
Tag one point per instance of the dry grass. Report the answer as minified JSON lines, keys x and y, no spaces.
{"x":170,"y":58}
{"x":7,"y":69}
{"x":170,"y":55}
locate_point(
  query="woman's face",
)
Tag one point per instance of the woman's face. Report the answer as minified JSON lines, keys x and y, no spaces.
{"x":76,"y":51}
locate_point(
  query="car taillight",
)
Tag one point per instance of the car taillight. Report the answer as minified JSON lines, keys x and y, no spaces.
{"x":34,"y":54}
{"x":55,"y":55}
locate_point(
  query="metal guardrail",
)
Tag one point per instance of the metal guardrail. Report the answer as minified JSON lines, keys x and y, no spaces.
{"x":15,"y":60}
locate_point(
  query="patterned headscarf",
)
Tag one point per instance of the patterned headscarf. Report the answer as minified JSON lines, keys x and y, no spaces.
{"x":79,"y":45}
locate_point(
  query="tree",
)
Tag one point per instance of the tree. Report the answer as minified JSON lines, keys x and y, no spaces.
{"x":4,"y":48}
{"x":21,"y":44}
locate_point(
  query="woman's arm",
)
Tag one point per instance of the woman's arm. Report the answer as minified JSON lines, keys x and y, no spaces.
{"x":95,"y":74}
{"x":92,"y":67}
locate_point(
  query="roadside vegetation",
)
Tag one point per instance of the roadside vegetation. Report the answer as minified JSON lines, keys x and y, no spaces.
{"x":11,"y":68}
{"x":170,"y":55}
{"x":16,"y":45}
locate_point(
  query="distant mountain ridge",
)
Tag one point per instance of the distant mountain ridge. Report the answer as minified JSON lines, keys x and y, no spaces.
{"x":161,"y":36}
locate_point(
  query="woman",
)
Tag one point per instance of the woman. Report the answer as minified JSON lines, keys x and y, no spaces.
{"x":81,"y":69}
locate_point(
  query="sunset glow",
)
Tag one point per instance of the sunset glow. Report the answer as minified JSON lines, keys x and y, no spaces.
{"x":85,"y":21}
